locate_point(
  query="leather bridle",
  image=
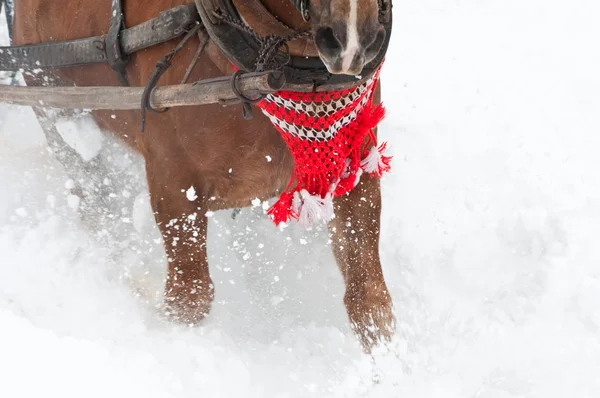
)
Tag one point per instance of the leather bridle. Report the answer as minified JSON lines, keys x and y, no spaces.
{"x":242,"y":48}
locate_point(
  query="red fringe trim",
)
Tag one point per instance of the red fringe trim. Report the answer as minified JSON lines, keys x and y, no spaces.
{"x":373,"y":117}
{"x":345,"y":185}
{"x":281,"y":211}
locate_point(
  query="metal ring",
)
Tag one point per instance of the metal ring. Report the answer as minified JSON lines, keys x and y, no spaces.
{"x":304,"y":10}
{"x":241,"y":96}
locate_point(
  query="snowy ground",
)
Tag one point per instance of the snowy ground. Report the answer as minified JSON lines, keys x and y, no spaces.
{"x":490,"y":242}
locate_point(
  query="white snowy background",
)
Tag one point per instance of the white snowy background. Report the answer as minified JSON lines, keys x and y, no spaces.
{"x":490,"y":241}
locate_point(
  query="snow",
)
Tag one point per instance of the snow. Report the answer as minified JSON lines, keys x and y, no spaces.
{"x":190,"y":194}
{"x":489,"y":241}
{"x":88,"y":145}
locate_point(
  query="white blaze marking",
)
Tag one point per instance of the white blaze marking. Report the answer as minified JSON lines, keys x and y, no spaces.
{"x":352,"y":44}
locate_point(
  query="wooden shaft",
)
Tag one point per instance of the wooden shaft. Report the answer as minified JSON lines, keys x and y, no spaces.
{"x":203,"y":92}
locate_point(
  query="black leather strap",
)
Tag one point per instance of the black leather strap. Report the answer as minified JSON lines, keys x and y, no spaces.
{"x":112,"y":43}
{"x":161,"y":67}
{"x":168,"y":25}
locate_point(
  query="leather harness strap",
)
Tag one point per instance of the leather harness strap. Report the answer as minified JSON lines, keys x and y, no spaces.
{"x":269,"y":25}
{"x":266,"y":24}
{"x":168,"y":25}
{"x":112,"y":43}
{"x":161,"y":67}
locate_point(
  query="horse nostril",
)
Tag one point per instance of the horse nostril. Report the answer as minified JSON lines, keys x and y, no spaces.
{"x":376,"y":44}
{"x":327,"y":42}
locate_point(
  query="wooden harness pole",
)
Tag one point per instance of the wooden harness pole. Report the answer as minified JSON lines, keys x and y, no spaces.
{"x":203,"y":92}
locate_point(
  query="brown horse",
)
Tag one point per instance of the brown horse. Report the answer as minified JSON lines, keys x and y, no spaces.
{"x":223,"y":156}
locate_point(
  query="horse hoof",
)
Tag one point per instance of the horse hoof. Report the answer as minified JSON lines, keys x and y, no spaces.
{"x":188,"y":306}
{"x":372,"y":319}
{"x":376,"y":329}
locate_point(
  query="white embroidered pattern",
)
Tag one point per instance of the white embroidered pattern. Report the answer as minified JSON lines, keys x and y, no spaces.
{"x":357,"y":99}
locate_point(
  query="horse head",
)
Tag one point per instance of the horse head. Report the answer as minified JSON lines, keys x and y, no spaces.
{"x":348,"y":34}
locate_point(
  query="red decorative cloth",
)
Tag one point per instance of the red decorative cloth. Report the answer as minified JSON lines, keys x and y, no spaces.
{"x":325,"y":132}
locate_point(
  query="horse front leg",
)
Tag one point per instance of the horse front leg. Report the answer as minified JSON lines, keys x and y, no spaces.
{"x":355,"y":242}
{"x":179,"y":210}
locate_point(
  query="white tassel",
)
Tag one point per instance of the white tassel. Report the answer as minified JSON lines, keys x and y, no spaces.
{"x":372,"y":162}
{"x":312,"y":208}
{"x":376,"y":163}
{"x":296,"y":203}
{"x":328,"y":212}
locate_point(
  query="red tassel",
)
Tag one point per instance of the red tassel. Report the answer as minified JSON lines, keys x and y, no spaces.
{"x":384,"y":163}
{"x":281,"y":211}
{"x":372,"y":117}
{"x":345,"y":185}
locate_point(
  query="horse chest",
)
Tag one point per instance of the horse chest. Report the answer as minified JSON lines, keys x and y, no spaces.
{"x":246,"y":172}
